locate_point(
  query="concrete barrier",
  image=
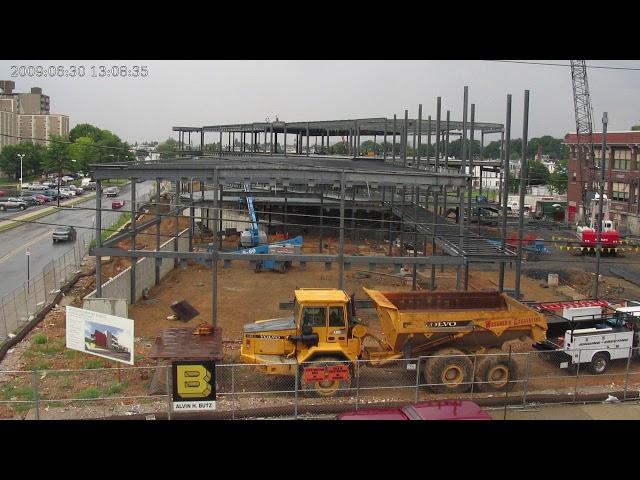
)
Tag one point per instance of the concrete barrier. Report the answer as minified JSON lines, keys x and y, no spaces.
{"x":120,"y":285}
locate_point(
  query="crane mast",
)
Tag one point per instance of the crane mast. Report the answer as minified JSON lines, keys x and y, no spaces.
{"x":584,"y":130}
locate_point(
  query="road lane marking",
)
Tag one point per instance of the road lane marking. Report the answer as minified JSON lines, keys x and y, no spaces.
{"x":16,"y":250}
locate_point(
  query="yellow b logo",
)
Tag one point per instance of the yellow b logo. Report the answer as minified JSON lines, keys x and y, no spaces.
{"x":193,"y":381}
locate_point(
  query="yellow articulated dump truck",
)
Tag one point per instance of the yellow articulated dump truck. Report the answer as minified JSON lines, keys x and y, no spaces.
{"x":445,"y":327}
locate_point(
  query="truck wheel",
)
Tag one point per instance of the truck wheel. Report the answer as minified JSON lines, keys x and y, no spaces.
{"x":448,"y":374}
{"x":599,"y":363}
{"x":325,"y":388}
{"x":258,"y":267}
{"x":494,"y":374}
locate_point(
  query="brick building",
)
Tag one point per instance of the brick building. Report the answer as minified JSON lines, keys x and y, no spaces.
{"x":622,"y":177}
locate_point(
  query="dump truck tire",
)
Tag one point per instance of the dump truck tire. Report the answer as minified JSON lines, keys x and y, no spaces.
{"x":494,"y":374}
{"x":328,"y":388}
{"x":448,"y":374}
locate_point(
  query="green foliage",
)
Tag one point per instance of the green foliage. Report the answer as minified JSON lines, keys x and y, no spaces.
{"x":635,"y":128}
{"x":116,"y":388}
{"x":167,"y":148}
{"x":538,"y":173}
{"x":91,"y":364}
{"x":39,"y":339}
{"x":559,"y":178}
{"x":10,"y":391}
{"x":88,"y":393}
{"x":107,"y":232}
{"x":70,"y":354}
{"x":38,"y":364}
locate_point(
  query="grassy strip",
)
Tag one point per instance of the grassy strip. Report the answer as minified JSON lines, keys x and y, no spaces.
{"x":107,"y":232}
{"x":116,"y":182}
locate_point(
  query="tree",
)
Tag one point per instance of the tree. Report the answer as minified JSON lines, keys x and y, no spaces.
{"x":84,"y":152}
{"x":57,"y":158}
{"x":635,"y":128}
{"x":34,"y":155}
{"x":538,"y":173}
{"x":559,"y":178}
{"x":492,"y":150}
{"x":167,"y":148}
{"x":85,"y":130}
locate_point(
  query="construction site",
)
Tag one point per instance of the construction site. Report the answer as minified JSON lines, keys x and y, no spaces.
{"x":318,"y":283}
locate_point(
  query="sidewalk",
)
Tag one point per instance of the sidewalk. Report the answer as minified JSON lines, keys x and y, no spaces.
{"x":12,"y":223}
{"x":590,"y":411}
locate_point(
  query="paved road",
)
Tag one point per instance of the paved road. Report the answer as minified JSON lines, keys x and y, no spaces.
{"x":37,"y":236}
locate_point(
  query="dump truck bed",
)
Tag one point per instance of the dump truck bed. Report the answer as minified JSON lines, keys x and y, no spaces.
{"x":473,"y":320}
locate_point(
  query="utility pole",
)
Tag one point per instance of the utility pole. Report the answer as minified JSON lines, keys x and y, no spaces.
{"x":605,"y":120}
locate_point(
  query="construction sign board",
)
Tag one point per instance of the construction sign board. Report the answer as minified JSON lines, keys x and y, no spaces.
{"x":100,"y":334}
{"x":194,"y":385}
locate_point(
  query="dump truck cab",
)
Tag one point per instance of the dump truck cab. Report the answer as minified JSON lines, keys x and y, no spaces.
{"x":321,"y":330}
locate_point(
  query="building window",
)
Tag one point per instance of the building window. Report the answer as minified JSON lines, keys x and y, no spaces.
{"x":622,"y":159}
{"x":620,"y":191}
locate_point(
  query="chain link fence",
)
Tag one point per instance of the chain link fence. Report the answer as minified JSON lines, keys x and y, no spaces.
{"x":494,"y":379}
{"x":17,"y":308}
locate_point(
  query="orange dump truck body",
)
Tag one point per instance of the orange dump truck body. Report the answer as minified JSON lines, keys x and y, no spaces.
{"x":416,"y":322}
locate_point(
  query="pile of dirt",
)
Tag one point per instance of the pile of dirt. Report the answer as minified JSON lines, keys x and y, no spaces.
{"x":566,"y":276}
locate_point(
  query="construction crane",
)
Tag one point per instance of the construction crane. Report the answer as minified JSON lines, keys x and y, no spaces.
{"x":584,"y":130}
{"x":591,"y":201}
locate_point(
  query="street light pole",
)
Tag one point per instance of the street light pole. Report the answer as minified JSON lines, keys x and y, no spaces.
{"x":21,"y":155}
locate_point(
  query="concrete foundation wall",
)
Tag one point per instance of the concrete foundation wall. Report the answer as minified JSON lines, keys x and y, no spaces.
{"x":120,"y":285}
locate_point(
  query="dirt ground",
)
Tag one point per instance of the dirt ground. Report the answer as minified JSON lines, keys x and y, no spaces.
{"x":245,"y":296}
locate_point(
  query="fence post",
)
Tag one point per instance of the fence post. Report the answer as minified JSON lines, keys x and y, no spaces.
{"x":626,"y":376}
{"x":415,"y":400}
{"x":169,"y":392}
{"x":506,"y":392}
{"x":75,"y":257}
{"x":473,"y":373}
{"x":295,"y":402}
{"x":4,"y":318}
{"x":26,"y":300}
{"x":15,"y":308}
{"x":233,"y":393}
{"x":55,"y":282}
{"x":526,"y":380}
{"x":575,"y":388}
{"x":34,"y":383}
{"x":357,"y":383}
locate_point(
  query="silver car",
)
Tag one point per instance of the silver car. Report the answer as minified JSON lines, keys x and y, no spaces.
{"x":12,"y":202}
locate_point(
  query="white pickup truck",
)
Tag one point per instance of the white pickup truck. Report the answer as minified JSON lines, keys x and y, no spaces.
{"x":613,"y":337}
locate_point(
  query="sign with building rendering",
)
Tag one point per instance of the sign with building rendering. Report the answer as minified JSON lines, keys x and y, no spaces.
{"x":194,"y":385}
{"x":100,"y":334}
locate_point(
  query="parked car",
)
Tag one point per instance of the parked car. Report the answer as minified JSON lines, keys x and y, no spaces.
{"x":37,"y":186}
{"x":48,"y":184}
{"x":112,"y":192}
{"x":29,"y":200}
{"x":67,"y":192}
{"x":3,"y":193}
{"x":51,"y":193}
{"x":77,"y":190}
{"x":432,"y":410}
{"x":67,"y":178}
{"x":64,"y":233}
{"x":90,"y":186}
{"x":44,"y":198}
{"x":12,"y":202}
{"x":117,"y":204}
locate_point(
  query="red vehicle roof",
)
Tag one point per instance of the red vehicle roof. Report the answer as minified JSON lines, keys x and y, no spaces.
{"x":433,"y":410}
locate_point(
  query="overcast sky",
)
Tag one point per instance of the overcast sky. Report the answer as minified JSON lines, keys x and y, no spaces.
{"x":196,"y":93}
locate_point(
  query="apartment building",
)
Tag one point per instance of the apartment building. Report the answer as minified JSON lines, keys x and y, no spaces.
{"x":622,"y":177}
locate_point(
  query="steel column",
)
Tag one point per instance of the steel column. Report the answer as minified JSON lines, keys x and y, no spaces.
{"x":341,"y":252}
{"x":98,"y":231}
{"x":505,"y":169}
{"x":394,"y":139}
{"x":384,"y":143}
{"x":417,"y":155}
{"x":158,"y":263}
{"x":523,"y":188}
{"x":133,"y":241}
{"x":214,"y":250}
